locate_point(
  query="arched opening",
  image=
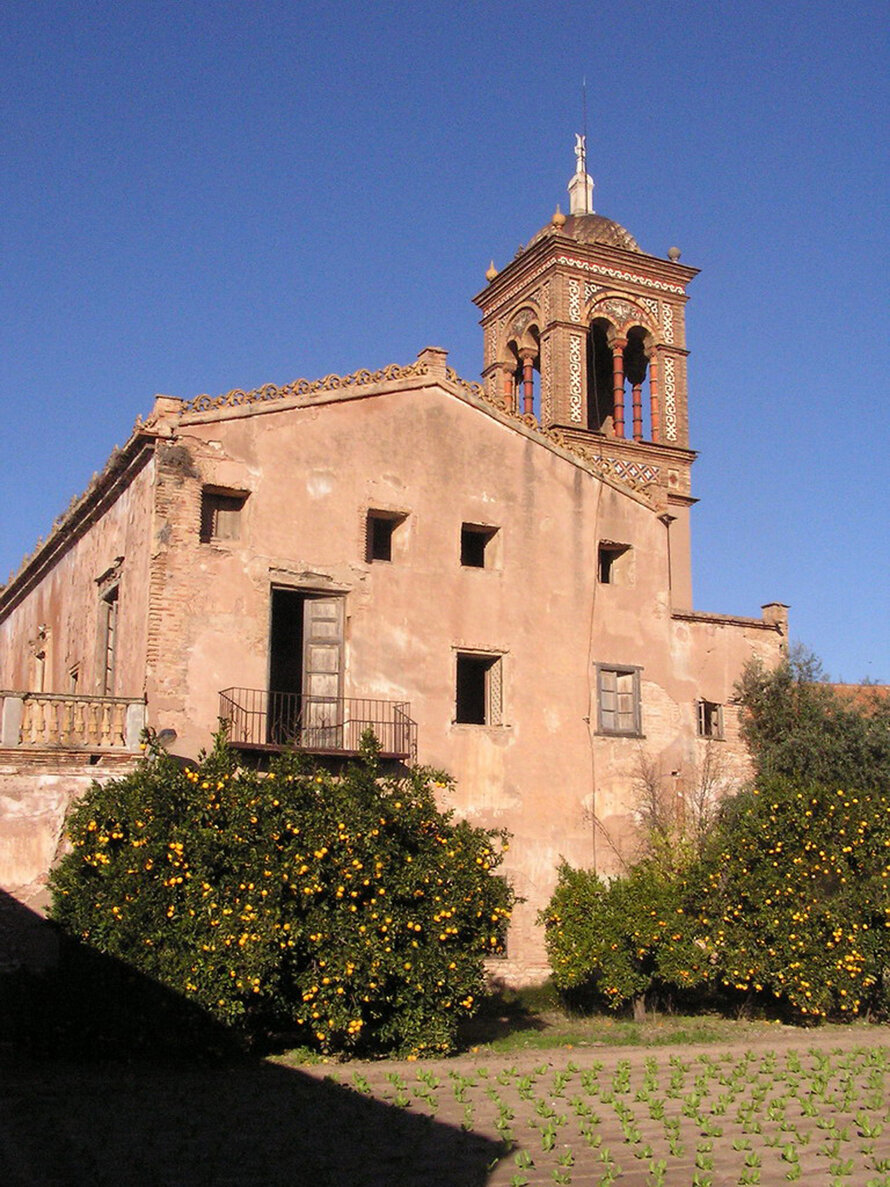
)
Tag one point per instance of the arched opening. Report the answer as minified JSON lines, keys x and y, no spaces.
{"x":636,"y":371}
{"x":525,"y":365}
{"x":599,"y":377}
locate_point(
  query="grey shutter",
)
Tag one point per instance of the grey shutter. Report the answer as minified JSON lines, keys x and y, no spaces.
{"x":608,"y":700}
{"x":322,"y":672}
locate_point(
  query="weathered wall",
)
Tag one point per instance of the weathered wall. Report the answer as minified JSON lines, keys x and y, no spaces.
{"x":313,"y":472}
{"x":66,"y":602}
{"x":36,"y":794}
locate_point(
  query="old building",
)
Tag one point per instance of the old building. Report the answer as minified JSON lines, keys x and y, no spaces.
{"x":495,"y":576}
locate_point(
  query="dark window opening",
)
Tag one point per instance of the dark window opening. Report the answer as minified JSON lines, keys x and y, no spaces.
{"x":609,"y":567}
{"x":474,"y":541}
{"x":710,"y":719}
{"x":380,"y":529}
{"x":599,"y":378}
{"x":221,"y":514}
{"x":478,"y":699}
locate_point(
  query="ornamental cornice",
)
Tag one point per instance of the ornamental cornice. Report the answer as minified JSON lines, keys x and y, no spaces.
{"x":269,"y":392}
{"x":590,"y":269}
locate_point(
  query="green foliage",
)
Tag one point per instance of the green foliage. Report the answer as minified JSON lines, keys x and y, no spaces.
{"x":800,"y":728}
{"x":786,"y":896}
{"x":799,"y":904}
{"x":344,"y":910}
{"x":630,"y":938}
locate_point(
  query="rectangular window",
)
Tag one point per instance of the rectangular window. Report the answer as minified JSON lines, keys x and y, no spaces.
{"x":108,"y":641}
{"x":475,"y":541}
{"x":710,"y":719}
{"x":618,"y":700}
{"x":612,"y":564}
{"x":479,"y":689}
{"x":221,"y":514}
{"x":380,"y":528}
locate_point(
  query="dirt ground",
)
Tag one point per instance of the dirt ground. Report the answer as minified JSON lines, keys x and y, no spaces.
{"x":796,"y":1105}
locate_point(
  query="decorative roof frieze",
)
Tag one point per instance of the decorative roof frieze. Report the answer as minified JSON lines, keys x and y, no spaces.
{"x":269,"y":392}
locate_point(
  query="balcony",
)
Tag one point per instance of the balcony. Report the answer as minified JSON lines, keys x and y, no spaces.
{"x":63,"y":721}
{"x":274,"y":721}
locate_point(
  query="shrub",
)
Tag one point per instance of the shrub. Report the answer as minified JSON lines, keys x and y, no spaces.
{"x":346,"y":910}
{"x":799,"y":904}
{"x":630,"y":940}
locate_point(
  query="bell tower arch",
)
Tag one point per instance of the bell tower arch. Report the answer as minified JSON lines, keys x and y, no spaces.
{"x":586,"y":332}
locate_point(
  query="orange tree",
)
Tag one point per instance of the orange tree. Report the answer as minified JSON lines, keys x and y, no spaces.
{"x":798,"y":904}
{"x":636,"y":939}
{"x":344,"y":910}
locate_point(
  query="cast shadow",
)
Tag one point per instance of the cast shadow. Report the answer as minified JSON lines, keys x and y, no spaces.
{"x":107,"y":1078}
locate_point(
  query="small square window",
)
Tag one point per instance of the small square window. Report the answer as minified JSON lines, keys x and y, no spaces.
{"x":479,"y":690}
{"x":380,"y":527}
{"x":618,"y":701}
{"x":710,"y":720}
{"x":611,"y":563}
{"x":475,"y":540}
{"x":221,"y":514}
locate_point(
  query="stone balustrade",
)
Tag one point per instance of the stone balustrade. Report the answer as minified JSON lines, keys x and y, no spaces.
{"x":62,"y":721}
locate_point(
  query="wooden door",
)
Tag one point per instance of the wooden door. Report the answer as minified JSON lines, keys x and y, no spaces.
{"x":322,"y":672}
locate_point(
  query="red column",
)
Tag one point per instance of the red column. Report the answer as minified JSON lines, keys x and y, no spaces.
{"x":653,"y":395}
{"x":509,"y":389}
{"x":528,"y":384}
{"x":618,"y":386}
{"x":638,"y":411}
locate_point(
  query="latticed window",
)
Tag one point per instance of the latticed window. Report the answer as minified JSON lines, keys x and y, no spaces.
{"x":618,"y":700}
{"x":479,"y":693}
{"x":221,"y":514}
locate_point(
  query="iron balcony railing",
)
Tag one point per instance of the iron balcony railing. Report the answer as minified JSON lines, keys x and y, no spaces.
{"x":258,"y":719}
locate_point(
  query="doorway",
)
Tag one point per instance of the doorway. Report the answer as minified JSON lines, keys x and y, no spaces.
{"x":306,"y":670}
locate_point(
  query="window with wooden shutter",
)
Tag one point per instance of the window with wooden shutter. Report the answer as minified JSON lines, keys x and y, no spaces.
{"x":710,"y":720}
{"x":618,"y":700}
{"x":221,"y":514}
{"x":479,"y":689}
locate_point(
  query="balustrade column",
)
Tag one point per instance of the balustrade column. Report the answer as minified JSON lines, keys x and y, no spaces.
{"x":655,"y":411}
{"x":618,"y":346}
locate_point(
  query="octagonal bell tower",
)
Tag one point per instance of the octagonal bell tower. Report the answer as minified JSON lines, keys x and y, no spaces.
{"x":585,"y":332}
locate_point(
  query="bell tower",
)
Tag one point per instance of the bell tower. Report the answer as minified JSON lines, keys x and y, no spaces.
{"x":585,"y":333}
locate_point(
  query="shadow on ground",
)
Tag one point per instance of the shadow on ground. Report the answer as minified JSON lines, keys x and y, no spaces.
{"x":499,"y":1016}
{"x":106,"y":1078}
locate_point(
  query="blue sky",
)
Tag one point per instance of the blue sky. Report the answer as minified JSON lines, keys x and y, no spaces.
{"x":200,"y":196}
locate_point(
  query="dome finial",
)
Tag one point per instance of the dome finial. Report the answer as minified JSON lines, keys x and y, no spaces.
{"x":581,"y":185}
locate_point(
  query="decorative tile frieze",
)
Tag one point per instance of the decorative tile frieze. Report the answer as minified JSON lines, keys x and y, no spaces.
{"x":670,"y":400}
{"x":575,"y":344}
{"x":667,"y":323}
{"x":574,"y":299}
{"x":592,"y":270}
{"x":652,"y":305}
{"x":639,"y":472}
{"x":546,"y":385}
{"x":491,"y":344}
